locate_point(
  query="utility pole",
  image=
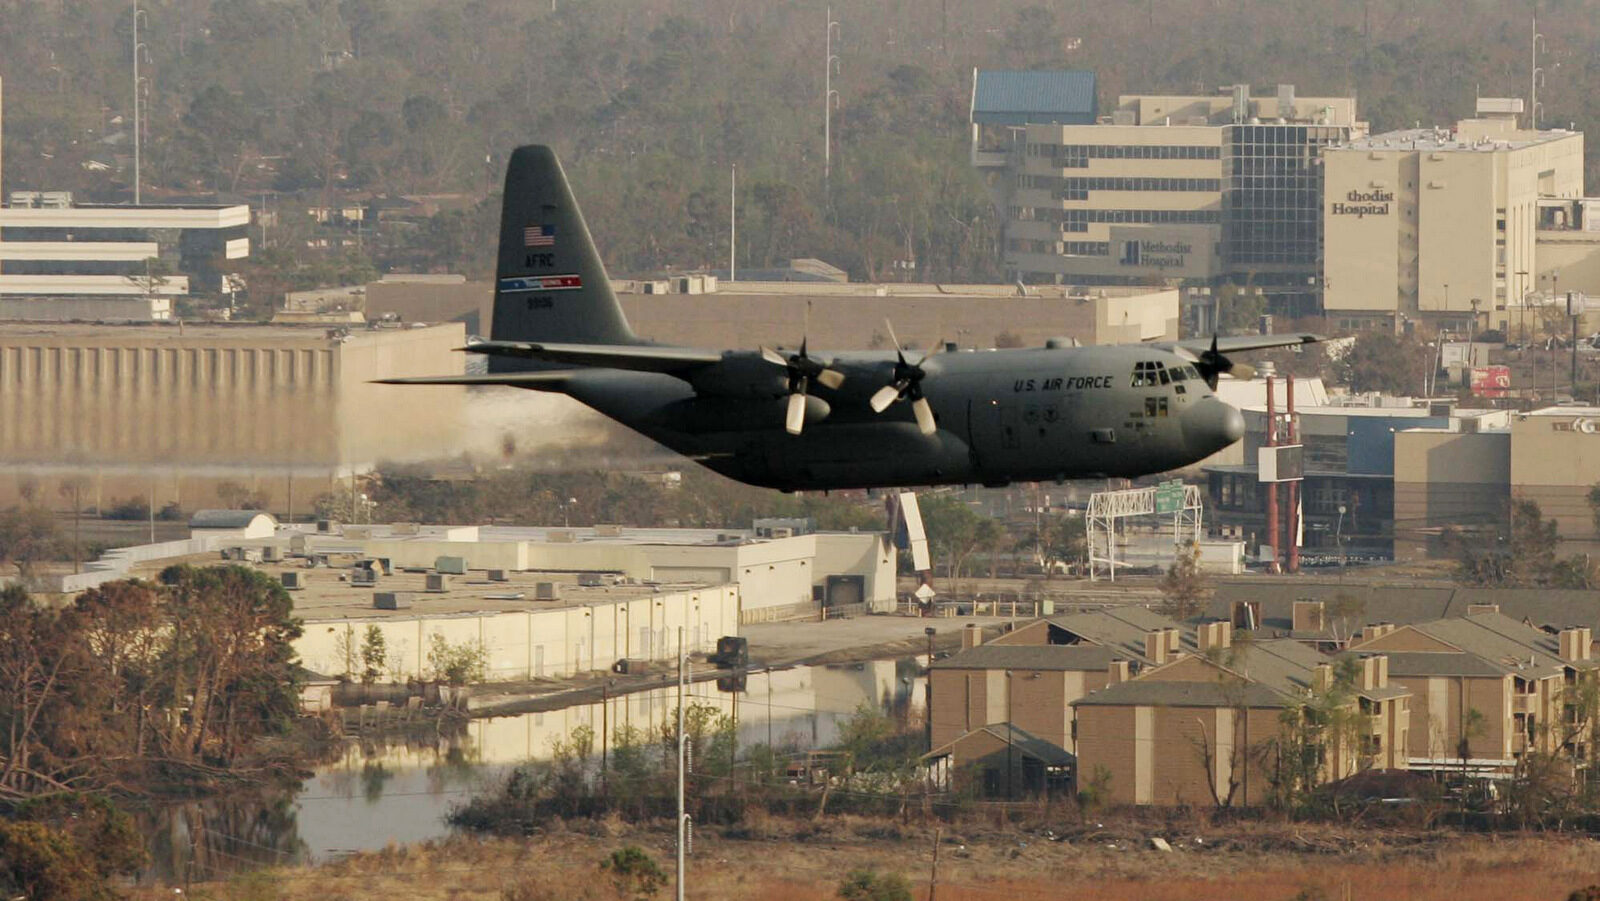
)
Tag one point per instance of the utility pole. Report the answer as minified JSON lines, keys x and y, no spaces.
{"x":733,"y":221}
{"x":1011,"y":731}
{"x":1533,"y":74}
{"x":605,"y":730}
{"x":1293,"y":487}
{"x":137,"y":48}
{"x":927,"y":690}
{"x":1572,"y":313}
{"x":1272,"y":487}
{"x":829,"y":96}
{"x":682,"y":817}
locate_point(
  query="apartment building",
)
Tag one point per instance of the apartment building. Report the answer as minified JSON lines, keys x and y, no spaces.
{"x":1488,"y":689}
{"x":1217,"y":728}
{"x":1439,"y":225}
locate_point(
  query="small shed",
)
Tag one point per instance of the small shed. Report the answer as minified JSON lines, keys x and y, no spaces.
{"x":1010,"y":762}
{"x":232,"y":524}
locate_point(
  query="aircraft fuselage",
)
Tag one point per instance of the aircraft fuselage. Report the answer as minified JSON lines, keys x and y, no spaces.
{"x":1003,"y":416}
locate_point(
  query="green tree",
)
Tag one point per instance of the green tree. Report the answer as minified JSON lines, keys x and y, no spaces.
{"x":634,"y":872}
{"x":232,"y":653}
{"x":1239,"y":309}
{"x":457,"y":664}
{"x":374,"y":654}
{"x":68,"y":848}
{"x":28,"y":535}
{"x":955,"y":533}
{"x":1524,"y":556}
{"x":1382,"y":361}
{"x":867,"y":884}
{"x":1185,"y":588}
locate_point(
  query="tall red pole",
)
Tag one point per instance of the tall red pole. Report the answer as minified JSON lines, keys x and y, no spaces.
{"x":1272,"y":487}
{"x":1294,"y":487}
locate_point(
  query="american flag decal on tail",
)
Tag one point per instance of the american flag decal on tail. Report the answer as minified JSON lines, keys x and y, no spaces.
{"x":539,"y":236}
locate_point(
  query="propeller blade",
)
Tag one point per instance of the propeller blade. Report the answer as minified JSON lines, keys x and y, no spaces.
{"x":883,"y":397}
{"x":1241,"y":370}
{"x":924,"y":414}
{"x":773,"y":357}
{"x":795,"y":419}
{"x":830,"y":378}
{"x":892,"y":337}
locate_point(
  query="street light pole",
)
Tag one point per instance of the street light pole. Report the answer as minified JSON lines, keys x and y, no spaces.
{"x":829,"y":95}
{"x":137,"y":47}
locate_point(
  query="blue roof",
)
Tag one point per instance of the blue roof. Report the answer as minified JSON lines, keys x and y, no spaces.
{"x":1016,"y":97}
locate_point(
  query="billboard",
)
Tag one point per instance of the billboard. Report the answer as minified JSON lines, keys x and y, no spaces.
{"x":1491,"y":381}
{"x":1283,"y":463}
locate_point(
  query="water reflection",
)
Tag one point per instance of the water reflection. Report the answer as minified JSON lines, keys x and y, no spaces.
{"x":400,"y":792}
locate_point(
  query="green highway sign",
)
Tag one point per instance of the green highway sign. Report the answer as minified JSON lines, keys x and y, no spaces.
{"x":1169,"y":496}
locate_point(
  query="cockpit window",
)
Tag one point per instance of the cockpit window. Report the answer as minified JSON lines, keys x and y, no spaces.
{"x":1149,"y":373}
{"x":1193,"y":372}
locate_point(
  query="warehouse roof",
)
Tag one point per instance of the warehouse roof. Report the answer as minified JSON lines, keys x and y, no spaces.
{"x":1021,"y":97}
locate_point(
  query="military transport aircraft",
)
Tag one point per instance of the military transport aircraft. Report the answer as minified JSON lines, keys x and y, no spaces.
{"x":804,"y":420}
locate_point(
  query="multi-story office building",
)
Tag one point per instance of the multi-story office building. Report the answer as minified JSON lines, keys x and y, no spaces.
{"x":64,"y":260}
{"x":1190,"y":190}
{"x":1439,"y":225}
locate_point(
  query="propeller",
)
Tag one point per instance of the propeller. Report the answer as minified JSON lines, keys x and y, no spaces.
{"x":907,"y":385}
{"x":1212,"y":364}
{"x":802,"y":369}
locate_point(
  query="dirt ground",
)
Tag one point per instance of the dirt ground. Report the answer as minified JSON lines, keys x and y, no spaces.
{"x":790,"y":861}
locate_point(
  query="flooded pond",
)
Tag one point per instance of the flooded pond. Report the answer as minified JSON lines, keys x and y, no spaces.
{"x":400,"y":792}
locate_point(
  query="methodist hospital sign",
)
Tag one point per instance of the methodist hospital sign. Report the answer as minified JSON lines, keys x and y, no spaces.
{"x":1362,"y":204}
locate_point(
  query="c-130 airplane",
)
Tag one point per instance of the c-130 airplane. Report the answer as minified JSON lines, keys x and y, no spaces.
{"x":801,"y":420}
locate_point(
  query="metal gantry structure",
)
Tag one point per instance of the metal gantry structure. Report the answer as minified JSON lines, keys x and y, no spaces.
{"x":1108,"y":508}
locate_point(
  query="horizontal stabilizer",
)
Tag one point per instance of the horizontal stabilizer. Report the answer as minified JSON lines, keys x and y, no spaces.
{"x":549,"y":380}
{"x":636,"y":357}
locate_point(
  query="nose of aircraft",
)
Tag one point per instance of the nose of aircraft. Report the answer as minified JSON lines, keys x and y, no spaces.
{"x":1212,"y":424}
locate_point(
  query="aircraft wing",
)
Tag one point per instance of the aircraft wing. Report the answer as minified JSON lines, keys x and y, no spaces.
{"x":549,"y":380}
{"x":636,"y":357}
{"x":1240,"y":343}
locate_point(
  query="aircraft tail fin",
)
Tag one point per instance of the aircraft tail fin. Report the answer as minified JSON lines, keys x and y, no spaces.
{"x":549,"y":282}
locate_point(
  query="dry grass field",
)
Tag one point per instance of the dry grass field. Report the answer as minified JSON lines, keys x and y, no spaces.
{"x":800,"y":861}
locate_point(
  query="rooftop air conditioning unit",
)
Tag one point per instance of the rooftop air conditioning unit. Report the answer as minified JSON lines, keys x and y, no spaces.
{"x":292,"y":581}
{"x":393,"y":600}
{"x":590,"y":580}
{"x":437,"y":583}
{"x":544,"y":591}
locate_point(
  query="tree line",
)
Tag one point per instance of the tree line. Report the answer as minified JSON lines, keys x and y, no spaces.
{"x":652,"y":103}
